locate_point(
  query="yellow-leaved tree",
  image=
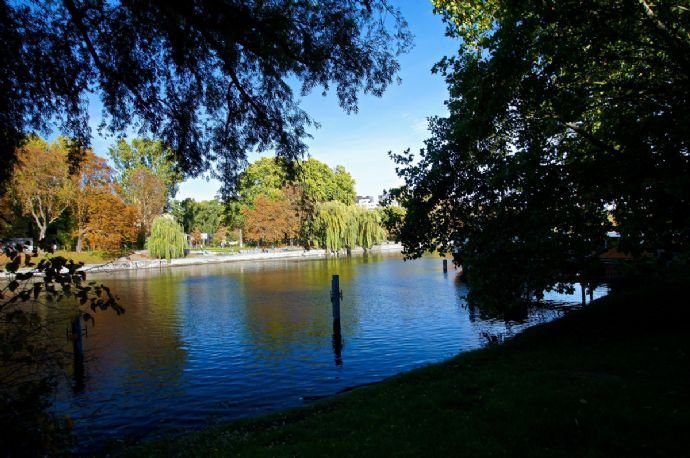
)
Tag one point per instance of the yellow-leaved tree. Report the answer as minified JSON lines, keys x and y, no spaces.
{"x":41,"y":181}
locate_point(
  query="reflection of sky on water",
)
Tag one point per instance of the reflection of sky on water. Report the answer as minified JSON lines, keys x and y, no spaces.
{"x":230,"y":340}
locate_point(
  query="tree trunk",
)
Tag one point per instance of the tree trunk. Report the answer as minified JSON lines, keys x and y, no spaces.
{"x":241,"y":241}
{"x":80,"y":239}
{"x":42,"y":232}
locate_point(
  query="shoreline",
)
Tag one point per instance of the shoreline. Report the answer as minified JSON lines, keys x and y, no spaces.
{"x":201,"y":259}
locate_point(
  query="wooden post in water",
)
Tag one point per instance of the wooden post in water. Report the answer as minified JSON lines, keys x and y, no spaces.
{"x":78,"y":346}
{"x":445,"y":266}
{"x":336,"y":295}
{"x":591,"y":293}
{"x":337,"y":342}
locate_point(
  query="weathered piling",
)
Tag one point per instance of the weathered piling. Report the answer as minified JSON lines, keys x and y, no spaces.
{"x":337,"y":341}
{"x":336,"y":295}
{"x":78,"y":346}
{"x":445,"y":266}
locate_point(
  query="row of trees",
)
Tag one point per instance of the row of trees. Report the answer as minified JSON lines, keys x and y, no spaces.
{"x":105,"y":208}
{"x":97,"y":206}
{"x":307,"y":203}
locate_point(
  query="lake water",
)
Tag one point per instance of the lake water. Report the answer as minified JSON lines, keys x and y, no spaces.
{"x":202,"y":344}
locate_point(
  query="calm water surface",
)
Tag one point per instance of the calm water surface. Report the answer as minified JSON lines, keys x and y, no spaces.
{"x":206,"y":343}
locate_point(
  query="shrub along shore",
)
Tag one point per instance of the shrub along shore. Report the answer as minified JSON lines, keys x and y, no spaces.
{"x":608,"y":380}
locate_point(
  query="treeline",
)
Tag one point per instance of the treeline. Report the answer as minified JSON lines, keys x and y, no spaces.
{"x":309,"y":204}
{"x":90,"y":205}
{"x":99,"y":206}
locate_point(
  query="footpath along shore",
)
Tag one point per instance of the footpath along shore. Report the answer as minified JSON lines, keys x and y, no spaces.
{"x":199,"y":258}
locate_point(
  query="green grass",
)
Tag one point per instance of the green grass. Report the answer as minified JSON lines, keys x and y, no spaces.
{"x":610,"y":380}
{"x":87,"y":257}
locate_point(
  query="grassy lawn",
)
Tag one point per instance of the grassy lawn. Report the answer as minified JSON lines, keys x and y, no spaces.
{"x":610,"y":380}
{"x":87,"y":257}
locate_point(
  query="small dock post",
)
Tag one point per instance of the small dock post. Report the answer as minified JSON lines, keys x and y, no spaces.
{"x":445,"y":266}
{"x":336,"y":295}
{"x":78,"y":347}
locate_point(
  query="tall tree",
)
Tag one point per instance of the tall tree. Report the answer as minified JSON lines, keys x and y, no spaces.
{"x":264,"y":177}
{"x":344,"y":186}
{"x":304,"y":183}
{"x":104,"y":221}
{"x":322,"y":183}
{"x":212,"y":80}
{"x":559,"y":114}
{"x":146,"y":192}
{"x":149,"y":154}
{"x":271,"y":221}
{"x":316,"y":180}
{"x":41,"y":182}
{"x":184,"y":211}
{"x":207,"y":215}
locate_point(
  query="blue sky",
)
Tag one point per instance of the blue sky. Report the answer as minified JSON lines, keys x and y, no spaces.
{"x":393,"y":122}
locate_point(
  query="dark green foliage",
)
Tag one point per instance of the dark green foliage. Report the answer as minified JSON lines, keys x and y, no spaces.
{"x":571,"y":117}
{"x":210,"y":79}
{"x":392,"y":218}
{"x":207,"y":215}
{"x":35,"y":307}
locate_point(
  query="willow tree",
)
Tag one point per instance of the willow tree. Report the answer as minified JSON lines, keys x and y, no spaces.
{"x":369,"y":229}
{"x":341,"y":226}
{"x":167,"y":240}
{"x":330,"y":225}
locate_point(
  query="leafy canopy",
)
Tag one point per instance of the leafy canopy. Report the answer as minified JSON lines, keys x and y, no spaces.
{"x":271,"y":220}
{"x":41,"y":183}
{"x":268,"y":176}
{"x":142,"y":153}
{"x":103,"y":220}
{"x":212,"y":80}
{"x":563,"y":118}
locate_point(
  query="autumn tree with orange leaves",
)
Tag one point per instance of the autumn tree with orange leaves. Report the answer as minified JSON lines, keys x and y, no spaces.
{"x":104,"y":221}
{"x":147,"y":193}
{"x":271,"y":220}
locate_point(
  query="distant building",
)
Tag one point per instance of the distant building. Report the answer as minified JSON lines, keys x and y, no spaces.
{"x":386,"y":198}
{"x":365,"y":202}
